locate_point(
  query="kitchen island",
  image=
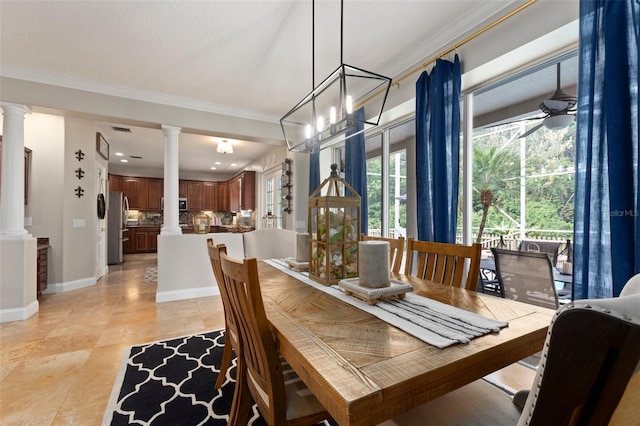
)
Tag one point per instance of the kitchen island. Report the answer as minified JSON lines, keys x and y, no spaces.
{"x":184,"y":268}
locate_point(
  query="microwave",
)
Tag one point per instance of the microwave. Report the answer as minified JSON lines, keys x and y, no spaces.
{"x":182,"y":204}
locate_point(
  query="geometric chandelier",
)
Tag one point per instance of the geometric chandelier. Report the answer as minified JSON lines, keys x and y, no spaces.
{"x":326,"y":115}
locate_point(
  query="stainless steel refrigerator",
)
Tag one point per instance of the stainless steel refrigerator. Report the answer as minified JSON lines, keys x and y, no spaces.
{"x":118,"y":209}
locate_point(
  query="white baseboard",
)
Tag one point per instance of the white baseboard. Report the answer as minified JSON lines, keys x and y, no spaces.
{"x":189,"y":293}
{"x":71,"y":285}
{"x":18,"y":314}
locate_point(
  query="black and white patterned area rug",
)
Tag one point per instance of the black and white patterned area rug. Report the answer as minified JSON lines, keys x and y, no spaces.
{"x":172,"y":383}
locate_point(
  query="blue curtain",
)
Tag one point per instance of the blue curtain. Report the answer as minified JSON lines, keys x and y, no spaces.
{"x":355,"y":169}
{"x":314,"y":171}
{"x":607,"y":222}
{"x":438,"y":151}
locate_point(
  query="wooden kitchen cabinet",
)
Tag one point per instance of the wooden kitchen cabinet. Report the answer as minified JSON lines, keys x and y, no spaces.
{"x":155,"y":191}
{"x":115,"y":183}
{"x":210,"y":196}
{"x":142,"y":239}
{"x":242,"y":191}
{"x":194,"y":195}
{"x":137,"y":191}
{"x":223,"y":197}
{"x":183,"y":188}
{"x":234,"y":194}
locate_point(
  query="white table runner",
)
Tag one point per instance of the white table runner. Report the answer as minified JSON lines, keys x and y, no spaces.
{"x":433,"y":322}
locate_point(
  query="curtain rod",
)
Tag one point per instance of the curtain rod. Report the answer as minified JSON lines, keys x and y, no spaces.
{"x":455,"y":46}
{"x":466,"y":40}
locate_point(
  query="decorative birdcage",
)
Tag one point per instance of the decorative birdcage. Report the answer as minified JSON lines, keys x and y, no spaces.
{"x":334,"y":230}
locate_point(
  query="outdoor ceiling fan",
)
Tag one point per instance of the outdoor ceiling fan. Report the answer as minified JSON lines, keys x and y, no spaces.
{"x":559,"y":110}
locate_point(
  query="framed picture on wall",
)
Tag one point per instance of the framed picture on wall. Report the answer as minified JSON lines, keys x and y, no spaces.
{"x":102,"y":146}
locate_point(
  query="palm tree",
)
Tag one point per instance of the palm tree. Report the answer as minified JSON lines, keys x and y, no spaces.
{"x":489,"y":167}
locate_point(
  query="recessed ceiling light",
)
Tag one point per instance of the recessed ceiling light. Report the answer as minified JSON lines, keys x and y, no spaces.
{"x":124,"y":160}
{"x":217,"y":163}
{"x":119,"y":154}
{"x":233,"y":164}
{"x":213,"y":168}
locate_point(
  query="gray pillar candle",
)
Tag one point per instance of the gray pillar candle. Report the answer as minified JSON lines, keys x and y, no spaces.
{"x":373,"y":264}
{"x":302,"y":247}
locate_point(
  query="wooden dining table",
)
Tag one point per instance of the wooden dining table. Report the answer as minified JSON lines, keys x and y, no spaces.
{"x":364,"y":370}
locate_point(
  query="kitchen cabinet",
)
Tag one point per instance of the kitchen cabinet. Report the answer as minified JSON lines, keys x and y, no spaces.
{"x":115,"y":183}
{"x":142,"y":239}
{"x":242,"y":191}
{"x":137,"y":191}
{"x":183,"y":188}
{"x":155,"y":190}
{"x":146,"y":193}
{"x":210,"y":194}
{"x":194,"y":195}
{"x":223,"y":197}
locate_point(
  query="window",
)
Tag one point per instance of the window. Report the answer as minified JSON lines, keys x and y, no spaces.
{"x":387,"y":179}
{"x":273,"y":199}
{"x":523,"y":172}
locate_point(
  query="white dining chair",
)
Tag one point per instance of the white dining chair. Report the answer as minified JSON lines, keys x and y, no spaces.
{"x":589,"y":372}
{"x":270,"y":243}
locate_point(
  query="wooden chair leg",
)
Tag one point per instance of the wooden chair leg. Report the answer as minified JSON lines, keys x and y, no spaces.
{"x":226,"y":360}
{"x":241,"y":405}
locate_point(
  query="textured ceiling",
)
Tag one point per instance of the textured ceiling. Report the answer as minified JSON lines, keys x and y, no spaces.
{"x":245,"y":58}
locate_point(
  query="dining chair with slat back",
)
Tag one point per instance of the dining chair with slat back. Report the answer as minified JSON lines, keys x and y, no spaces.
{"x":281,"y":396}
{"x":444,"y":263}
{"x":231,"y":342}
{"x":526,"y":277}
{"x":396,"y":250}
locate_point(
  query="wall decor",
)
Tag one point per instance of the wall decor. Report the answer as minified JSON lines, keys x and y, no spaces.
{"x":79,"y":155}
{"x":102,"y":146}
{"x":80,"y":173}
{"x":79,"y":191}
{"x":287,"y":185}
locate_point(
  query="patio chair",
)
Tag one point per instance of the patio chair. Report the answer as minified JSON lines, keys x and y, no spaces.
{"x":231,"y":341}
{"x":281,"y":396}
{"x":396,"y":250}
{"x":443,"y":263}
{"x":526,"y":277}
{"x":551,"y":248}
{"x":590,"y":355}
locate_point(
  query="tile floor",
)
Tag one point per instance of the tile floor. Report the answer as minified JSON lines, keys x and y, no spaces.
{"x":58,"y":367}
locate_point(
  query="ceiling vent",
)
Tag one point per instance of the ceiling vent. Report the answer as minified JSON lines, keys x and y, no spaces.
{"x":137,"y":157}
{"x":121,"y":129}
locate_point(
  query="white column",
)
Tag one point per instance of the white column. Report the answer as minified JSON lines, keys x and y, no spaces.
{"x":12,"y":179}
{"x":171,"y":225}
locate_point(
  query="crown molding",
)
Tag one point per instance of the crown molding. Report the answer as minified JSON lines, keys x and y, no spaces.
{"x":125,"y":92}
